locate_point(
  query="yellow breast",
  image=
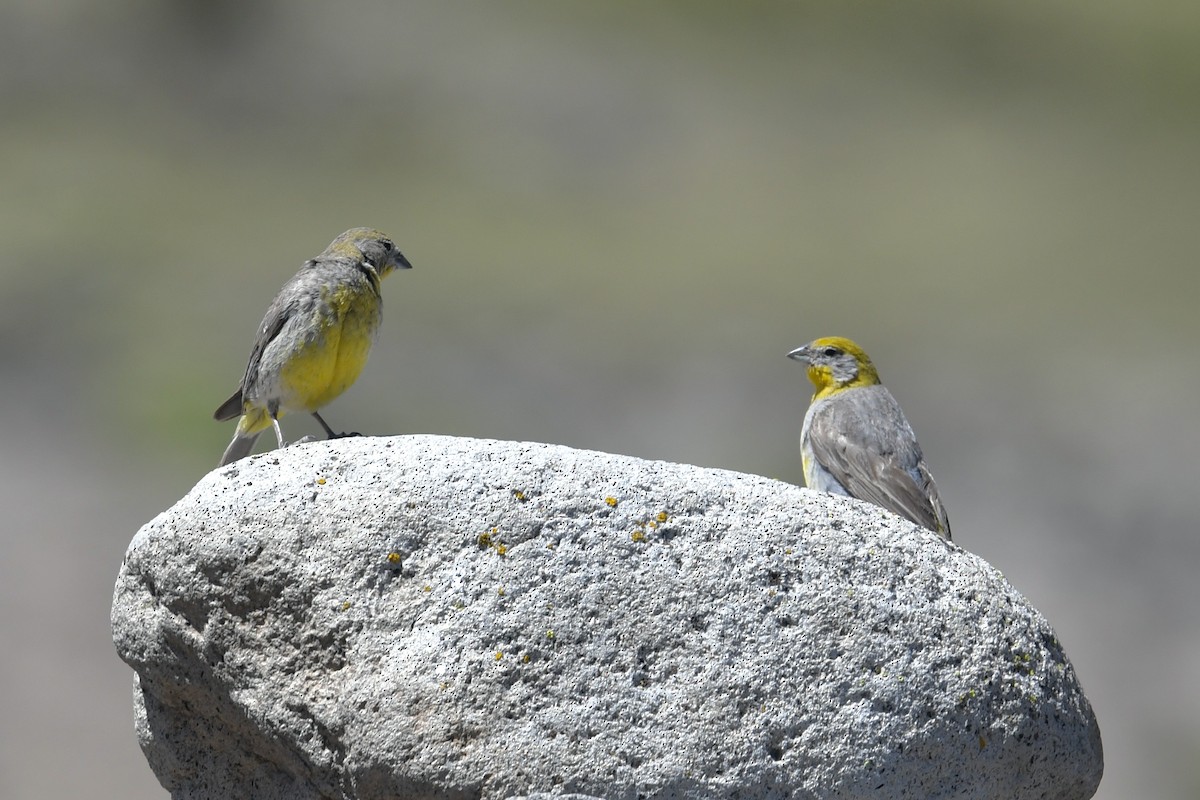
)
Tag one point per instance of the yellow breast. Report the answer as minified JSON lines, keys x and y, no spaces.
{"x":325,"y":366}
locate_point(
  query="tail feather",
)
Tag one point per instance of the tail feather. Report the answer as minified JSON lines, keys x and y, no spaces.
{"x":240,"y":447}
{"x":253,"y":422}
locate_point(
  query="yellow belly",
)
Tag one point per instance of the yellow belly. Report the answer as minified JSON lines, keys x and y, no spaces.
{"x":323,"y":368}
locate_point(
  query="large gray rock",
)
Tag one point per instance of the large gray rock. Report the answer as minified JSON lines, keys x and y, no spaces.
{"x":429,"y":617}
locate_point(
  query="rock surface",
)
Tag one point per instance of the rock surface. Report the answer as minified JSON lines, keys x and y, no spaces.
{"x":430,"y":617}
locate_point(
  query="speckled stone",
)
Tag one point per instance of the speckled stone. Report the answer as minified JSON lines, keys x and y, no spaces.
{"x":433,"y":617}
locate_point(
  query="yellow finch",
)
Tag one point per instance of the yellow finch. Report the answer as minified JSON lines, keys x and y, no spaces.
{"x":314,"y":339}
{"x":856,"y":440}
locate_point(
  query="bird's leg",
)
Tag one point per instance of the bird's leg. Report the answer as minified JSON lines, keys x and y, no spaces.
{"x":329,"y":431}
{"x":273,"y":410}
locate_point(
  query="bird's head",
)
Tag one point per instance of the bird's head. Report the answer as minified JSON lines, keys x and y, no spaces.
{"x":835,"y":363}
{"x":372,"y":246}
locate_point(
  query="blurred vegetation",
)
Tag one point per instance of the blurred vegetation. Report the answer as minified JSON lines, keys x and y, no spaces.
{"x":622,"y":216}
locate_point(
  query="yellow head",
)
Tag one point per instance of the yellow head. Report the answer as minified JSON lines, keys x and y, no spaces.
{"x":371,"y":246}
{"x":835,"y":363}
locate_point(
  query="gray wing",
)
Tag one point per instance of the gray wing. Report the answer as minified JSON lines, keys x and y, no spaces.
{"x":296,"y":296}
{"x":230,"y":408}
{"x":866,"y":443}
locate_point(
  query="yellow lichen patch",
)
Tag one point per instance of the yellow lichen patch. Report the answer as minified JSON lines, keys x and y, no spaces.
{"x":393,"y":558}
{"x":612,"y":501}
{"x":499,"y":654}
{"x":661,"y":517}
{"x":427,"y":588}
{"x":525,"y":659}
{"x":491,"y":541}
{"x":320,"y":481}
{"x":519,"y":495}
{"x":638,"y":535}
{"x":500,"y":591}
{"x":346,"y":605}
{"x":1023,"y":661}
{"x":549,"y":634}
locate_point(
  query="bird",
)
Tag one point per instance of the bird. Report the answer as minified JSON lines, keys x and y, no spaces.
{"x":856,"y":440}
{"x":314,"y":339}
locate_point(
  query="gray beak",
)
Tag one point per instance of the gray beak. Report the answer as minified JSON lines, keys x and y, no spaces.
{"x":799,"y":354}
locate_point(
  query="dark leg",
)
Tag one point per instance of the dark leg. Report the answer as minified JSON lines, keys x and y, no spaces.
{"x":329,"y":431}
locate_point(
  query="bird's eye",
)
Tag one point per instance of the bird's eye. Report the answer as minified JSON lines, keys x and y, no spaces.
{"x":387,"y":246}
{"x":830,"y":352}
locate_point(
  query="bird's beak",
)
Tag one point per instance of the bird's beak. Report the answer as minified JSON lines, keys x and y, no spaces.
{"x":799,"y":354}
{"x":401,"y":261}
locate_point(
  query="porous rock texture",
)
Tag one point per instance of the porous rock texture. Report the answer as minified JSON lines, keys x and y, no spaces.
{"x":434,"y":617}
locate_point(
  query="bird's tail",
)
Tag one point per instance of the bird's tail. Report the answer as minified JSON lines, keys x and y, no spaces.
{"x":253,"y":422}
{"x":240,"y":447}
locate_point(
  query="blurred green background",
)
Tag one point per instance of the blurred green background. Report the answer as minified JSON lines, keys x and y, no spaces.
{"x":622,"y":216}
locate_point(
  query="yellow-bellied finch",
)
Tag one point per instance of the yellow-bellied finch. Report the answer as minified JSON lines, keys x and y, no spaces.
{"x":314,"y":339}
{"x":856,"y":440}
